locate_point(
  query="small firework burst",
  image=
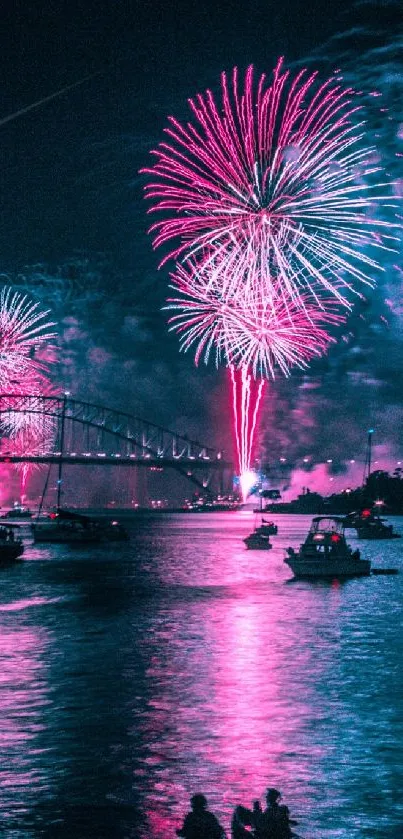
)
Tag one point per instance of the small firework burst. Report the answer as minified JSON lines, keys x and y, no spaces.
{"x":265,"y":334}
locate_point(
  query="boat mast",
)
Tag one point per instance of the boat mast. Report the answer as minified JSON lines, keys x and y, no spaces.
{"x":59,"y":474}
{"x":368,"y":459}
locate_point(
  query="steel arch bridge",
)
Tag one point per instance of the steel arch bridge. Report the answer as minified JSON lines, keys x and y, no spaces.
{"x":71,"y":431}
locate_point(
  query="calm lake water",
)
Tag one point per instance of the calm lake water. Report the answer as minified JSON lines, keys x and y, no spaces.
{"x":134,"y":675}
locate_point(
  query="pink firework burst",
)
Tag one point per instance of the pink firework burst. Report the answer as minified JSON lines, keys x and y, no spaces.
{"x":31,"y":431}
{"x":277,"y":173}
{"x":26,"y":356}
{"x":249,"y":330}
{"x":33,"y":419}
{"x":24,"y":333}
{"x":254,"y":334}
{"x":26,"y":442}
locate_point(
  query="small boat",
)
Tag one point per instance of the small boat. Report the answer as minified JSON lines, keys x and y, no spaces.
{"x":267,"y":528}
{"x":258,"y":541}
{"x":18,"y":512}
{"x":259,"y":538}
{"x":370,"y":526}
{"x":375,"y":528}
{"x":11,"y":544}
{"x":325,"y":552}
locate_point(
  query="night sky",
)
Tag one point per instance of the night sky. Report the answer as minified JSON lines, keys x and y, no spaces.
{"x":73,"y":219}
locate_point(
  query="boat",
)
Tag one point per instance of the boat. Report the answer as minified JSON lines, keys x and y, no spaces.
{"x":367,"y":522}
{"x":11,"y":544}
{"x":325,"y":552}
{"x":66,"y":527}
{"x":18,"y":512}
{"x":375,"y":528}
{"x":261,"y":531}
{"x":70,"y":528}
{"x":267,"y":528}
{"x":259,"y":538}
{"x":258,"y":541}
{"x":369,"y":525}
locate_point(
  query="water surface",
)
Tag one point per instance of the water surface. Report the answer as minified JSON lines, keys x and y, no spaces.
{"x":132,"y":675}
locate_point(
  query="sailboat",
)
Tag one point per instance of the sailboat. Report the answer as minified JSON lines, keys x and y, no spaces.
{"x":368,"y":523}
{"x":267,"y":528}
{"x":259,"y":538}
{"x":68,"y":527}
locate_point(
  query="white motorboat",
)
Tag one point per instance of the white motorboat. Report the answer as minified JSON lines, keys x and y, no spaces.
{"x":325,"y":552}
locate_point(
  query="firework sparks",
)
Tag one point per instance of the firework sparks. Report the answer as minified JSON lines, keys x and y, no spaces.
{"x":26,"y":355}
{"x":34,"y":417}
{"x":278,"y":175}
{"x":253,"y":334}
{"x":24,"y":332}
{"x":271,"y":201}
{"x":27,"y":441}
{"x":263,"y":334}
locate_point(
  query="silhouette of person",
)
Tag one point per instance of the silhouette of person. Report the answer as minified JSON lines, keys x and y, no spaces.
{"x":240,"y":819}
{"x":274,"y":822}
{"x":200,"y":823}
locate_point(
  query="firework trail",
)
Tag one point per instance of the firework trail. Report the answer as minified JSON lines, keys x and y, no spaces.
{"x":278,"y":174}
{"x":247,"y":394}
{"x":253,"y":338}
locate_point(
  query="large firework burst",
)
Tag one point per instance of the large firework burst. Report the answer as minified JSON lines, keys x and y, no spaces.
{"x":270,"y":201}
{"x":277,"y":173}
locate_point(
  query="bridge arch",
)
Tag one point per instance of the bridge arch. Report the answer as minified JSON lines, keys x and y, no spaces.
{"x":70,"y":430}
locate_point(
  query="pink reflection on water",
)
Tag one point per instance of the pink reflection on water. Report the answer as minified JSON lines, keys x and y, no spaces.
{"x":260,"y":717}
{"x":19,"y":605}
{"x":23,"y":695}
{"x":234,"y":677}
{"x":243,"y":697}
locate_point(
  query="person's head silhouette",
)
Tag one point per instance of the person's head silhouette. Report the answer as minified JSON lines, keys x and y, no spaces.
{"x":198,"y":802}
{"x":272,"y":796}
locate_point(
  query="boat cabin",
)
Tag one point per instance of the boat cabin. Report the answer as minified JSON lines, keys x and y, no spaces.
{"x":325,"y":537}
{"x":9,"y":533}
{"x":326,"y":525}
